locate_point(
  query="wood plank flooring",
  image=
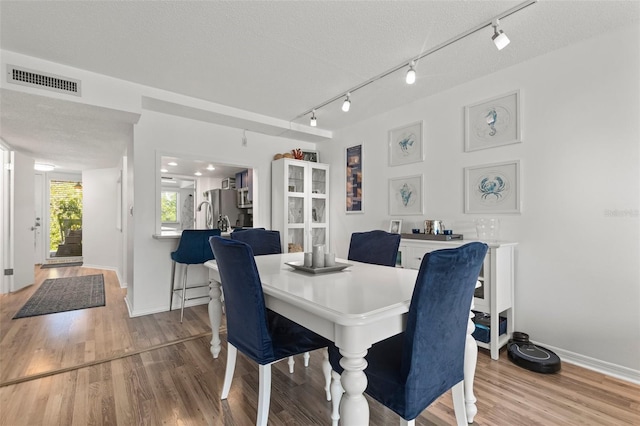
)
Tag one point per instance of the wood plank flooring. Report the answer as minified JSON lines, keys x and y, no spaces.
{"x":99,"y":367}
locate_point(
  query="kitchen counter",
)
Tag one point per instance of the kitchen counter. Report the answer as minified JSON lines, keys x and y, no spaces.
{"x":173,"y":235}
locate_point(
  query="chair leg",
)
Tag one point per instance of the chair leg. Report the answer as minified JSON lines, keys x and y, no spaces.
{"x":291,"y":363}
{"x":264,"y":395}
{"x":336,"y":396}
{"x":457,"y":392}
{"x":184,"y":291}
{"x":306,"y":359}
{"x":173,"y":282}
{"x":326,"y":370}
{"x":404,"y":422}
{"x":232,"y":354}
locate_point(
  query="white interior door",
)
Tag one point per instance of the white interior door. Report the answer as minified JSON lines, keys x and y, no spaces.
{"x":21,"y":221}
{"x":39,"y":220}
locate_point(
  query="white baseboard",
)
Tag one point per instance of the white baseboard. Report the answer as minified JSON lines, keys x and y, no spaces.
{"x":195,"y":302}
{"x":108,"y":268}
{"x":613,"y":370}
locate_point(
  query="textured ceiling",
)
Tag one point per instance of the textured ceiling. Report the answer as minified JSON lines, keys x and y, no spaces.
{"x":281,"y":58}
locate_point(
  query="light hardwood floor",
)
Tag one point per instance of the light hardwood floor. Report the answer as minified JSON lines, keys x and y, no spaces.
{"x":99,"y":367}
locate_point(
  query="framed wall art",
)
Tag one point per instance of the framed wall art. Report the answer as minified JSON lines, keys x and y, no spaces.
{"x":493,"y":122}
{"x":405,"y":144}
{"x":405,"y":195}
{"x":311,"y":156}
{"x":353,"y":160}
{"x":492,"y":188}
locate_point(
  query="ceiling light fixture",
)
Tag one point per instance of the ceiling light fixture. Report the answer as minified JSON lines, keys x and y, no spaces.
{"x":42,"y":167}
{"x":172,"y":163}
{"x":485,"y":24}
{"x":411,"y":73}
{"x":347,"y":102}
{"x":499,"y":38}
{"x":164,"y":171}
{"x":314,"y":121}
{"x":198,"y":173}
{"x":210,"y":167}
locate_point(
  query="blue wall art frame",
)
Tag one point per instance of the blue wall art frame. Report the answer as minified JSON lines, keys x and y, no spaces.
{"x":492,"y":188}
{"x":405,"y":195}
{"x":493,"y":122}
{"x":405,"y":144}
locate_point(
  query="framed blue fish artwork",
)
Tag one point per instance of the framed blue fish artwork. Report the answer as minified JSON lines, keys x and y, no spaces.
{"x":406,"y":195}
{"x":406,"y":144}
{"x":493,"y":122}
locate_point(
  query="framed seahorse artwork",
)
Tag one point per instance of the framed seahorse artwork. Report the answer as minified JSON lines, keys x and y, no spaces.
{"x":405,"y":144}
{"x":493,"y":122}
{"x":492,"y":188}
{"x":405,"y":195}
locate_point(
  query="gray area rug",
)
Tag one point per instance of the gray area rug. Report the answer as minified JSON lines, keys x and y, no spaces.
{"x":65,"y":294}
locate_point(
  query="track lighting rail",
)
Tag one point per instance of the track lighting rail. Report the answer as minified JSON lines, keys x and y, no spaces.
{"x":407,"y":63}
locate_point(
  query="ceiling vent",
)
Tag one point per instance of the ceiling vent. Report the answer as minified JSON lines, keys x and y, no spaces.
{"x":42,"y":80}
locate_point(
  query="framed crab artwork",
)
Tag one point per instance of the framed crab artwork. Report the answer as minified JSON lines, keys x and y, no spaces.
{"x":405,"y":144}
{"x":492,"y":188}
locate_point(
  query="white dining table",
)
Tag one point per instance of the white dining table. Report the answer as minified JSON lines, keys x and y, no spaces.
{"x":355,"y":308}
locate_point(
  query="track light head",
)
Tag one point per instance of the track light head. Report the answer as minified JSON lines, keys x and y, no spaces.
{"x":499,"y":38}
{"x":347,"y":103}
{"x":411,"y":73}
{"x":314,"y":121}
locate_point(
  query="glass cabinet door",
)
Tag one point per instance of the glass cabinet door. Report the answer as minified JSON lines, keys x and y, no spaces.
{"x":318,"y":181}
{"x":296,"y":178}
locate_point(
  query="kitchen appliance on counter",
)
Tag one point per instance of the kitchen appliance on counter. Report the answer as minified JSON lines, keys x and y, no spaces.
{"x":223,"y":204}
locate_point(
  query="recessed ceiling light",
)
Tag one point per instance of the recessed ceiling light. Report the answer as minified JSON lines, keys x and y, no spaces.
{"x":210,"y":167}
{"x":41,"y":167}
{"x":164,"y":171}
{"x":198,"y":174}
{"x":172,"y":163}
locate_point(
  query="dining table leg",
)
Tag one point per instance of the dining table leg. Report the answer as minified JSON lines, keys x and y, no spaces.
{"x":215,"y":315}
{"x":354,"y":408}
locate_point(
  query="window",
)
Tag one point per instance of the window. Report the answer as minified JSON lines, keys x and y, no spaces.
{"x":169,"y":207}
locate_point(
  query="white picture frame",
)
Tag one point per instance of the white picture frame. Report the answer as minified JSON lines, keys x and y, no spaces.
{"x":492,"y":188}
{"x":406,"y":144}
{"x":405,"y":195}
{"x":312,"y":156}
{"x":395,"y":226}
{"x":493,"y":122}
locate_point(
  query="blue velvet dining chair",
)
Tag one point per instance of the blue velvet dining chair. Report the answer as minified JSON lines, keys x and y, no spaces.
{"x":376,"y":247}
{"x":409,"y":371}
{"x":193,"y":249}
{"x":262,"y":241}
{"x":259,"y":333}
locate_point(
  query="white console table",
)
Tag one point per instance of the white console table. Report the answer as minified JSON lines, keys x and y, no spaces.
{"x":494,"y":296}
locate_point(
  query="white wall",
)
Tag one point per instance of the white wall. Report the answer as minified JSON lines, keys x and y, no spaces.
{"x":578,"y":279}
{"x":101,"y":240}
{"x":163,"y":134}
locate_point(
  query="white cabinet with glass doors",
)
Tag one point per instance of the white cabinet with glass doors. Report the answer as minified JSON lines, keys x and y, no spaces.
{"x":300,"y":204}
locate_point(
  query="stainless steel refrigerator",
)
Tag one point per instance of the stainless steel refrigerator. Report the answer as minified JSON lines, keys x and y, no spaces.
{"x":223,"y":203}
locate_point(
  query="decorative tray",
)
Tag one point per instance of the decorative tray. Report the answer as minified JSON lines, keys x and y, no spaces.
{"x":300,"y":267}
{"x":437,"y":237}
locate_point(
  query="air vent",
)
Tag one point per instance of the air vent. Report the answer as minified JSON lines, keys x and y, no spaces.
{"x":42,"y":80}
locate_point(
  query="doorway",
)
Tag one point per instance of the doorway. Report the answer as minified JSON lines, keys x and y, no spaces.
{"x":64,"y":240}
